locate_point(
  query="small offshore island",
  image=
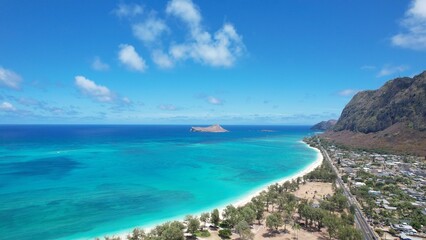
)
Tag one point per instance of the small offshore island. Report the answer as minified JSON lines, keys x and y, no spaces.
{"x":212,"y":129}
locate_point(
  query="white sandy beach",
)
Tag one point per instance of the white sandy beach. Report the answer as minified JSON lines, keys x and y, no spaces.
{"x":244,"y":200}
{"x":238,"y":202}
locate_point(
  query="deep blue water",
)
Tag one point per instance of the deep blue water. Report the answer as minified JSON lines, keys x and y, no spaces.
{"x":82,"y":181}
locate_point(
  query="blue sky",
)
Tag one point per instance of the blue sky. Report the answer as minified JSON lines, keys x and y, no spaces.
{"x":199,"y":61}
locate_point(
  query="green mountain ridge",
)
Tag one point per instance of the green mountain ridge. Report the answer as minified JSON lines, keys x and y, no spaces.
{"x":392,"y":118}
{"x":402,"y":100}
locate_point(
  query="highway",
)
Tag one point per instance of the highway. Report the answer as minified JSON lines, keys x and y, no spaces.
{"x":360,"y":221}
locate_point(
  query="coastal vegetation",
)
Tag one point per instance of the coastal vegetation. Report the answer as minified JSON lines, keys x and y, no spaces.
{"x":277,"y":208}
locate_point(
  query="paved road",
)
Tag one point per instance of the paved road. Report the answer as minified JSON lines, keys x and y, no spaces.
{"x":360,"y":221}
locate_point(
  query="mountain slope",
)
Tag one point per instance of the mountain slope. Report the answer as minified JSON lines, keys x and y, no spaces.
{"x":324,"y":125}
{"x":399,"y":100}
{"x":392,"y":118}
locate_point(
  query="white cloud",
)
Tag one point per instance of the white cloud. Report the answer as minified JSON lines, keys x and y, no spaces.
{"x":90,"y":88}
{"x":9,"y":79}
{"x":168,"y":107}
{"x":150,"y":30}
{"x":219,"y":50}
{"x":347,"y":92}
{"x":214,"y":100}
{"x":129,"y":57}
{"x":185,"y":10}
{"x":418,"y":8}
{"x":98,"y":65}
{"x":128,"y":10}
{"x":390,"y":70}
{"x":7,"y":107}
{"x":161,"y":59}
{"x":414,"y":26}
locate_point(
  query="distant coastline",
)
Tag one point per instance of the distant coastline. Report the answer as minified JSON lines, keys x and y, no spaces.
{"x":239,"y":201}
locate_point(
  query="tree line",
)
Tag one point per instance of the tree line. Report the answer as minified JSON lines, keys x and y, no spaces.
{"x":277,"y":206}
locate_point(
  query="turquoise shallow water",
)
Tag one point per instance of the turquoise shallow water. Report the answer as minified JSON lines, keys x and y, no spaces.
{"x":84,"y":181}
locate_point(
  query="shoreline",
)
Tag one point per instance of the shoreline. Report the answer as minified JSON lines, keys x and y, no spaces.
{"x":239,"y":201}
{"x":245,"y":199}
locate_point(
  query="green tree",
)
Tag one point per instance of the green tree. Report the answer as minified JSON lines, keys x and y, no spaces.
{"x":137,"y":234}
{"x":232,"y":216}
{"x":248,"y":214}
{"x":286,"y":186}
{"x":215,"y":218}
{"x":332,"y":224}
{"x":340,"y":201}
{"x":243,"y":229}
{"x":193,"y":224}
{"x":274,"y":221}
{"x":348,"y":219}
{"x":225,"y":233}
{"x":204,"y":218}
{"x":345,"y":178}
{"x":352,"y":209}
{"x":259,"y":205}
{"x":271,"y":195}
{"x":318,"y":215}
{"x":286,"y":219}
{"x":349,"y":233}
{"x":169,"y":230}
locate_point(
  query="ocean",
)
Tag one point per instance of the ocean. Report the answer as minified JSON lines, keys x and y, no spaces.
{"x":83,"y":181}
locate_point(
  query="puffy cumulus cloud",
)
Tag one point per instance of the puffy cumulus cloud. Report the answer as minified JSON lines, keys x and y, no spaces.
{"x":413,"y":35}
{"x":91,"y":89}
{"x":186,"y":10}
{"x":219,"y":50}
{"x":347,"y":92}
{"x":390,"y":70}
{"x":168,"y":107}
{"x":161,"y":59}
{"x":130,"y":58}
{"x":149,"y":30}
{"x":128,"y":10}
{"x":98,"y":65}
{"x":9,"y":79}
{"x":7,"y":107}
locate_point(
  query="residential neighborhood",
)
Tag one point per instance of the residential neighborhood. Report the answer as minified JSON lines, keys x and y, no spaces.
{"x":389,"y":189}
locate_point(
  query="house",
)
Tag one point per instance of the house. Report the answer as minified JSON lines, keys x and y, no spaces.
{"x":382,"y":201}
{"x":404,"y":227}
{"x":406,"y":237}
{"x":374,"y":193}
{"x":387,"y":207}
